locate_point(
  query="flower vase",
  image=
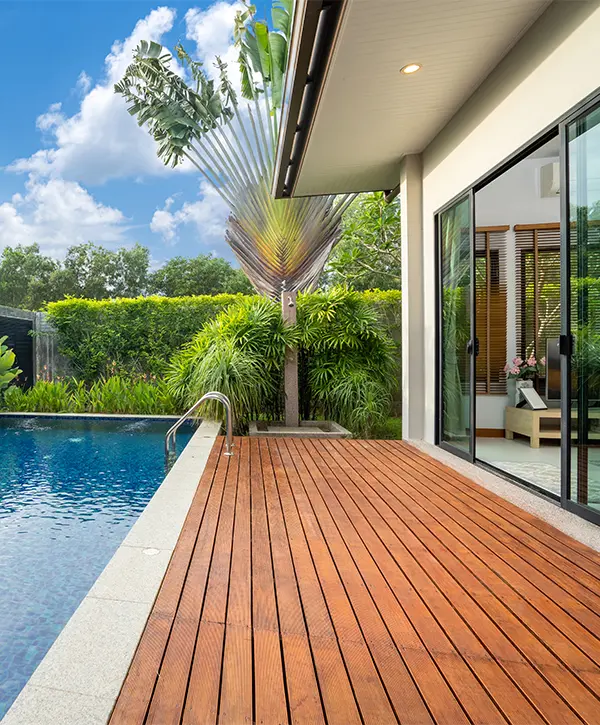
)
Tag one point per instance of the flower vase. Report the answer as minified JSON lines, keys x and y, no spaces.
{"x":519,"y":385}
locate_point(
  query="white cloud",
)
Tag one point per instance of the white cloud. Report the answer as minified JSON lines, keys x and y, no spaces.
{"x":208,"y":214}
{"x":212,"y":32}
{"x":50,"y":120}
{"x":56,"y":214}
{"x":102,"y":141}
{"x":211,"y":29}
{"x":84,"y":83}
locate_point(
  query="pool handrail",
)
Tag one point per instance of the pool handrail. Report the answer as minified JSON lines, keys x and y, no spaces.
{"x":213,"y":395}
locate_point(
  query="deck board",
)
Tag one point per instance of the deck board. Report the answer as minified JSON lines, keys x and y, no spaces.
{"x":339,"y":582}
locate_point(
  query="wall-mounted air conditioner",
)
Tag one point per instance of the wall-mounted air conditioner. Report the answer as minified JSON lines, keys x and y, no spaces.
{"x":550,"y":179}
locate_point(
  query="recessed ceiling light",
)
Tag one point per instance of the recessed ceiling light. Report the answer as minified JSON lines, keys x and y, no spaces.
{"x":410,"y":68}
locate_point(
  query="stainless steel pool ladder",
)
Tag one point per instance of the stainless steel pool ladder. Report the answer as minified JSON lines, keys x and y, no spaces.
{"x":172,"y":432}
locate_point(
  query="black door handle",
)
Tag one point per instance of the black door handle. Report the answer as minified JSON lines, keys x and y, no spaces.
{"x":470,"y":347}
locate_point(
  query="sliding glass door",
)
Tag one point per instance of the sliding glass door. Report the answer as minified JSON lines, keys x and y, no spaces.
{"x":581,"y":313}
{"x":565,"y":249}
{"x":456,"y":325}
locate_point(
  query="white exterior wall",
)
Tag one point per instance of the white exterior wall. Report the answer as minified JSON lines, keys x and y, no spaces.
{"x":552,"y":68}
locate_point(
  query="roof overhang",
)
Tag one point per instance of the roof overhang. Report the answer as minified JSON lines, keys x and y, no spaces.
{"x":350,"y":115}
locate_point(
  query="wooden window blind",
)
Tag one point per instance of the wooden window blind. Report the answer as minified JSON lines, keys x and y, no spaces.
{"x":490,"y":309}
{"x":538,"y":287}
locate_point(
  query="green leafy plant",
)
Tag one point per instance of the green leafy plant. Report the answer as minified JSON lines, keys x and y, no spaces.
{"x":108,"y":395}
{"x":133,"y":337}
{"x":348,"y":362}
{"x":14,"y":399}
{"x":47,"y":397}
{"x":8,"y":369}
{"x":367,"y":255}
{"x":240,"y":354}
{"x":129,"y":337}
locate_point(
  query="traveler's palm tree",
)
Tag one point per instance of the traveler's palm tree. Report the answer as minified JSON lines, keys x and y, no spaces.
{"x":280,"y":244}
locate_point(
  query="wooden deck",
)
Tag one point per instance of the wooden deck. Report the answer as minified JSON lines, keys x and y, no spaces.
{"x":347,"y":582}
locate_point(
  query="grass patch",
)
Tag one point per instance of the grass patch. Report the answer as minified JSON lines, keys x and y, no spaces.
{"x":390,"y":429}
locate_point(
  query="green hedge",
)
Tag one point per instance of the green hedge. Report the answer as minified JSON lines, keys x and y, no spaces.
{"x":139,"y":336}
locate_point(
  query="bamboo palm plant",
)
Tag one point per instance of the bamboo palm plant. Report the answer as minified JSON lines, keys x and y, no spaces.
{"x":281,"y":244}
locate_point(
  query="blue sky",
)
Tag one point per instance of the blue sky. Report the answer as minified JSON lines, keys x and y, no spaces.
{"x":74,"y":166}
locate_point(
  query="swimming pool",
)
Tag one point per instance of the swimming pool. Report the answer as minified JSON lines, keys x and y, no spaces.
{"x":70,"y":490}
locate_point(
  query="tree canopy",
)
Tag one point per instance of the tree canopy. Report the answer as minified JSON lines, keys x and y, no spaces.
{"x":368,"y":253}
{"x":181,"y":277}
{"x":29,"y":278}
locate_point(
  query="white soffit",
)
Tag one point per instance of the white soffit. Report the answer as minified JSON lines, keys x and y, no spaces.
{"x":369,"y":114}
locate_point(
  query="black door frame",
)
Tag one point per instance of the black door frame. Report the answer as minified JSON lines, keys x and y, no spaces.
{"x":470,"y":454}
{"x":559,"y":127}
{"x":566,"y":350}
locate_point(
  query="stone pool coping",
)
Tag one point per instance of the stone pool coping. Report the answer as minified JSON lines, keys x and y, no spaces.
{"x":80,"y":677}
{"x":96,"y":416}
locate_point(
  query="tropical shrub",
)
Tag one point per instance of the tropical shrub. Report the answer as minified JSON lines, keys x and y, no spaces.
{"x":8,"y":368}
{"x":107,"y":395}
{"x":348,"y":361}
{"x":139,"y":336}
{"x":240,"y":354}
{"x":44,"y":397}
{"x":348,"y":366}
{"x":129,"y":336}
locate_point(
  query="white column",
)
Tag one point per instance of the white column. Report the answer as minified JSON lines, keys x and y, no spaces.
{"x":413,"y":346}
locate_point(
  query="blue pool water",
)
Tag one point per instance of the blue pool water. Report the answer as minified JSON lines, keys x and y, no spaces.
{"x":70,"y":489}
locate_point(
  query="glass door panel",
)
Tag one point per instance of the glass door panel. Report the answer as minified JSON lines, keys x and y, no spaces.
{"x":583,"y":156}
{"x":456,"y":262}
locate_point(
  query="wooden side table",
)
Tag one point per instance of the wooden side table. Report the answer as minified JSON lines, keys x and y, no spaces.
{"x":527,"y":422}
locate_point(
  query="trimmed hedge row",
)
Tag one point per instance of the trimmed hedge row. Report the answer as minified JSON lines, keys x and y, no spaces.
{"x":139,"y":336}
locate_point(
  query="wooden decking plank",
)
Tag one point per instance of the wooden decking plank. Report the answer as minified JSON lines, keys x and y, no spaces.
{"x":334,"y":682}
{"x":370,"y":692}
{"x":237,"y":685}
{"x":536,"y":568}
{"x":582,"y":652}
{"x":469,"y":575}
{"x":576,"y":621}
{"x":169,"y":695}
{"x":134,"y":699}
{"x":504,"y":636}
{"x":205,"y":676}
{"x":396,"y":648}
{"x":334,"y":582}
{"x":270,"y":697}
{"x":301,"y":681}
{"x":437,"y":625}
{"x":531,"y":527}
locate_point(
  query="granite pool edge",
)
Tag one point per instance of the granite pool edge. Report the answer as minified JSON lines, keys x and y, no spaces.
{"x":80,"y":678}
{"x":85,"y":416}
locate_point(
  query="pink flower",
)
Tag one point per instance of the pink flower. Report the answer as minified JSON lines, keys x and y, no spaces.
{"x":532,"y":361}
{"x":543,"y":361}
{"x":517,"y":361}
{"x":506,"y":368}
{"x":514,"y":370}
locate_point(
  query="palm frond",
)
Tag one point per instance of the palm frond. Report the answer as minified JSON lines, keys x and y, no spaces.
{"x":280,"y":244}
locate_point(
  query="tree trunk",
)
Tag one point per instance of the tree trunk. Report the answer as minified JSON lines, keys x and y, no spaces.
{"x":290,"y":373}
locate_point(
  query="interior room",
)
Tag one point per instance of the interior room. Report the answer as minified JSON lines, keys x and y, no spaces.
{"x":517,"y":302}
{"x":506,"y":298}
